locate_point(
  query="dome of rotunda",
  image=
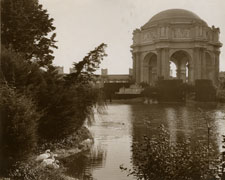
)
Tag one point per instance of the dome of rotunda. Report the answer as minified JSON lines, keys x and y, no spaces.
{"x":174,"y":16}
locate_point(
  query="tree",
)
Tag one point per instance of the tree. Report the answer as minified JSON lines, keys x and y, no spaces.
{"x":26,"y":28}
{"x":84,"y":69}
{"x":18,"y":126}
{"x":69,"y":101}
{"x":17,"y":72}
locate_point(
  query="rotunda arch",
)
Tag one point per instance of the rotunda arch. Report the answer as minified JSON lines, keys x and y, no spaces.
{"x":182,"y":60}
{"x":150,"y":68}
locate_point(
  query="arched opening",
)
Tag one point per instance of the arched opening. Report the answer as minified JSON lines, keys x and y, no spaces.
{"x":150,"y":68}
{"x":173,"y":68}
{"x":209,"y":66}
{"x":179,"y":65}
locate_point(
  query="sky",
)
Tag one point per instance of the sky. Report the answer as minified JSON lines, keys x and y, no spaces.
{"x":82,"y":25}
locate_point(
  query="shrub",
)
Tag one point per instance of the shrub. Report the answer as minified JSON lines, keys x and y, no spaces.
{"x":65,"y":103}
{"x":159,"y":159}
{"x":19,"y":124}
{"x":66,"y":111}
{"x":33,"y":171}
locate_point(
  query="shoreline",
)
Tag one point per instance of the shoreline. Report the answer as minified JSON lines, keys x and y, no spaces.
{"x":81,"y":141}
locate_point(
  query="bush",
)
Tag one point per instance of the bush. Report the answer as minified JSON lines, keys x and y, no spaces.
{"x":159,"y":159}
{"x":33,"y":171}
{"x":65,"y":102}
{"x":66,"y":111}
{"x":150,"y":92}
{"x":19,"y":124}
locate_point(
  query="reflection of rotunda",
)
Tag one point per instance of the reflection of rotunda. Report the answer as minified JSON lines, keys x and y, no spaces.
{"x":178,"y":38}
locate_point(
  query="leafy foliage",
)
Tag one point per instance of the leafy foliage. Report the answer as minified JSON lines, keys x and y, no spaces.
{"x":25,"y":27}
{"x":19,"y":121}
{"x":17,"y":72}
{"x":159,"y":159}
{"x":150,"y":92}
{"x":84,"y":69}
{"x":222,"y":173}
{"x":69,"y":101}
{"x":33,"y":171}
{"x":36,"y":103}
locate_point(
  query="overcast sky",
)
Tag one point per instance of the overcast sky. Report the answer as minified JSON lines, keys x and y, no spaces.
{"x":81,"y":25}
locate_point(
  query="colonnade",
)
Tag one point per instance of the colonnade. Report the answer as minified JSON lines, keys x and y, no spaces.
{"x":200,"y":62}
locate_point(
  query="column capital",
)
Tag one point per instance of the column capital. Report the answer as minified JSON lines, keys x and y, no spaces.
{"x":217,"y":52}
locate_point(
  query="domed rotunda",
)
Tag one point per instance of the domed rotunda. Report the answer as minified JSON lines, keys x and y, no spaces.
{"x":176,"y":44}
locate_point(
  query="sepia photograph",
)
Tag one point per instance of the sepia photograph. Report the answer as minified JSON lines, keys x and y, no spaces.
{"x":112,"y":90}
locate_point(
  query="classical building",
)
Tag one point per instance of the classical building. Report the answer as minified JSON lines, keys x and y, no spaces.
{"x":176,"y":38}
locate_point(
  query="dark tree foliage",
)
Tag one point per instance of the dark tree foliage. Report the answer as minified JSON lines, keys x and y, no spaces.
{"x":69,"y":101}
{"x":24,"y":76}
{"x":65,"y":111}
{"x":150,"y":92}
{"x":222,"y":174}
{"x":18,"y":126}
{"x":65,"y":104}
{"x":25,"y":27}
{"x":84,"y":69}
{"x":38,"y":104}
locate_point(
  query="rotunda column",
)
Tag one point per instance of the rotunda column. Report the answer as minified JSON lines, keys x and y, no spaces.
{"x":217,"y":66}
{"x":183,"y":74}
{"x":134,"y":66}
{"x":145,"y":74}
{"x":197,"y":63}
{"x":138,"y":67}
{"x":142,"y":68}
{"x":190,"y":73}
{"x":154,"y":74}
{"x":203,"y":65}
{"x":165,"y":66}
{"x":159,"y":63}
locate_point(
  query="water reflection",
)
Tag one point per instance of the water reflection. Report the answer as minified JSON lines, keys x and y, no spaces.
{"x":82,"y":166}
{"x":171,"y":117}
{"x":125,"y":124}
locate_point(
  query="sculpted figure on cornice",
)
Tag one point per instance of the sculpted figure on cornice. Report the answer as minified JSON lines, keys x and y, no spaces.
{"x":216,"y":32}
{"x":149,"y":36}
{"x":163,"y":31}
{"x":136,"y":35}
{"x":179,"y":33}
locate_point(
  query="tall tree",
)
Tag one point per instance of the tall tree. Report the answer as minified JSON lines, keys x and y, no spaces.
{"x":84,"y":69}
{"x":27,"y":28}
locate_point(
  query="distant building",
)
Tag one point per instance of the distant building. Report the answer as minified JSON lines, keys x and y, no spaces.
{"x":104,"y":77}
{"x":112,"y":78}
{"x":60,"y":69}
{"x":115,"y":78}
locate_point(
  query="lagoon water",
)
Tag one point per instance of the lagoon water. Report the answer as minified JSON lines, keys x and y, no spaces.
{"x":121,"y":124}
